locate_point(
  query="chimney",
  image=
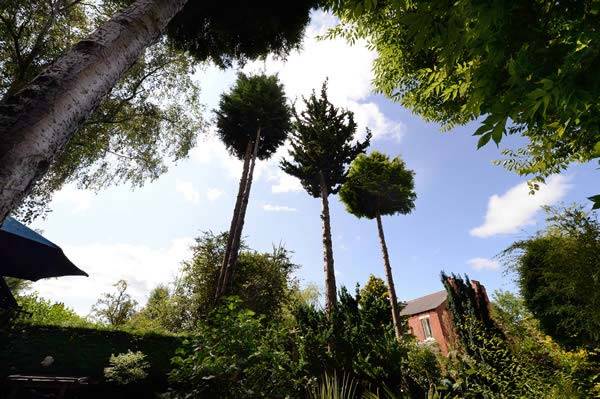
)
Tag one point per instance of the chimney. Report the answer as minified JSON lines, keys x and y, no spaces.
{"x":480,"y":292}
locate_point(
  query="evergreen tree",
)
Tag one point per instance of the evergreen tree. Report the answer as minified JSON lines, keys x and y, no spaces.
{"x":322,"y":148}
{"x":378,"y":186}
{"x":253,"y":120}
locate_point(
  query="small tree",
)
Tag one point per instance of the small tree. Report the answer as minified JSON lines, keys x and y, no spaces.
{"x":262,"y":281}
{"x":115,"y":309}
{"x":127,"y":368}
{"x":558,"y":272}
{"x":379,"y":186}
{"x":322,"y":149}
{"x":253,"y":120}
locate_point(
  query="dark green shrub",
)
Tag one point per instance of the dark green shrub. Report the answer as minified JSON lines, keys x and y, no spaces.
{"x":486,"y":366}
{"x":127,"y":368}
{"x":356,"y":343}
{"x":235,"y":354}
{"x":82,"y":351}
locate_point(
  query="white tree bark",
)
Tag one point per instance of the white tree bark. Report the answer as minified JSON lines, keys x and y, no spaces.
{"x":37,"y":121}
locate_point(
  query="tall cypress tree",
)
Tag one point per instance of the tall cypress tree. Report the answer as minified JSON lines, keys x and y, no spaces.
{"x":379,"y":186}
{"x":322,"y":148}
{"x":253,"y":120}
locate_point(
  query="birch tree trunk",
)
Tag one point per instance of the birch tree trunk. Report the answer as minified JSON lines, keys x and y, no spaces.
{"x":390,"y":280}
{"x":235,"y":246}
{"x":330,"y":287}
{"x":38,"y":120}
{"x":234,"y":219}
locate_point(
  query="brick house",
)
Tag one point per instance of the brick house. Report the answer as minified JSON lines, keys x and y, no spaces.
{"x":429,"y":319}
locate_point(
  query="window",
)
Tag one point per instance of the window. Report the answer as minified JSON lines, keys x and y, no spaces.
{"x":426,"y":327}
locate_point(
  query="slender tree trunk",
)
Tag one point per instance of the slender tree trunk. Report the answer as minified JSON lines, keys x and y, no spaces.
{"x":330,"y":287}
{"x":38,"y":121}
{"x":234,"y":219}
{"x":390,"y":280}
{"x":235,"y":246}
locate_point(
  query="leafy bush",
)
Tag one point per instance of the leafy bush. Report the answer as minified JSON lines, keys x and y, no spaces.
{"x":40,"y":311}
{"x":558,"y":272}
{"x":569,"y":370}
{"x":357,"y":343}
{"x":489,"y":363}
{"x":83,"y":351}
{"x":235,"y":354}
{"x":262,"y":281}
{"x":333,"y":387}
{"x":127,"y":368}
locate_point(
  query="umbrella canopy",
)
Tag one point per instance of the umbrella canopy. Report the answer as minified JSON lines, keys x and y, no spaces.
{"x":27,"y":255}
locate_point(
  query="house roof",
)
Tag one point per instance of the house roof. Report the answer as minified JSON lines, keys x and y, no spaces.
{"x":424,"y":303}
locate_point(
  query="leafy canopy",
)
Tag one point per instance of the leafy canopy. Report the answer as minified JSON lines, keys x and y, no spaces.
{"x":263,"y":282}
{"x":254,"y":102}
{"x":528,"y":67}
{"x":116,"y":308}
{"x":225,"y":31}
{"x":377,"y":185}
{"x":558,"y":272}
{"x":236,"y":354}
{"x":150,"y":118}
{"x":40,"y":311}
{"x":322,"y":144}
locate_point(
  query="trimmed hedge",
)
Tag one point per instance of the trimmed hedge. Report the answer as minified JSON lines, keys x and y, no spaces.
{"x":82,"y":351}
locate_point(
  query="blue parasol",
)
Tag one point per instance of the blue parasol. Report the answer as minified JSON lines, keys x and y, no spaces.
{"x":27,"y":255}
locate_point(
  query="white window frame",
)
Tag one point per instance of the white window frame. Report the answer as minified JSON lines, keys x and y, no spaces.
{"x":427,"y":332}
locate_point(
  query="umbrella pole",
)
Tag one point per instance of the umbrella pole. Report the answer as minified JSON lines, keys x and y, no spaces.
{"x":7,"y":300}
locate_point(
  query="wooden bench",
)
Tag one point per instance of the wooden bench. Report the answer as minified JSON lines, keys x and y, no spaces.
{"x":59,"y":385}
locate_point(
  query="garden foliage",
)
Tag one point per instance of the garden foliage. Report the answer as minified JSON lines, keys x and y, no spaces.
{"x":127,"y":368}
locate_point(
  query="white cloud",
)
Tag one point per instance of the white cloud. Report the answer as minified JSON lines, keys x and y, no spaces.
{"x":369,"y":115}
{"x":284,"y":183}
{"x":483,"y":264}
{"x":77,"y":200}
{"x":509,"y":212}
{"x":214,"y":194}
{"x":278,"y":208}
{"x":348,"y":69}
{"x":188,"y":191}
{"x":211,"y":151}
{"x":143,"y":268}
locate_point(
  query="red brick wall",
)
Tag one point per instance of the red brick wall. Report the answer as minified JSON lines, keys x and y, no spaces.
{"x":440,"y":329}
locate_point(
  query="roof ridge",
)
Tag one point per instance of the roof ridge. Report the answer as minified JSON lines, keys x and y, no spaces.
{"x":424,"y":303}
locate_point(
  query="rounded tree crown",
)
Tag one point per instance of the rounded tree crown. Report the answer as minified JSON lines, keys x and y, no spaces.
{"x":223,"y":31}
{"x":254,"y":102}
{"x":376,"y":185}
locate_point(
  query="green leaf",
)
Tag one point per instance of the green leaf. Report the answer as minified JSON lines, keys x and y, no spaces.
{"x":596,"y":200}
{"x":482,"y":129}
{"x":484,"y":140}
{"x":498,"y":131}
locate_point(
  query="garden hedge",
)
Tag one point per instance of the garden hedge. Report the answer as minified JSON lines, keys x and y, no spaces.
{"x":82,"y":351}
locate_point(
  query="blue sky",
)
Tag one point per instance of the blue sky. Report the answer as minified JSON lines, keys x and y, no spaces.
{"x":467,"y":210}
